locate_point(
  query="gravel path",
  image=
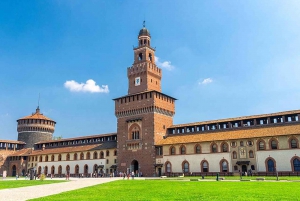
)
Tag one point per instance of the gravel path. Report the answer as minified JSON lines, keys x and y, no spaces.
{"x":30,"y":192}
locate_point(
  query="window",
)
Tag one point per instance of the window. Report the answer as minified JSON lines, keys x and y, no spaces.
{"x":107,"y":153}
{"x":273,"y":144}
{"x":46,"y":158}
{"x":52,"y":158}
{"x":41,"y":159}
{"x":250,"y":143}
{"x":270,"y":165}
{"x":224,"y":147}
{"x":261,"y":145}
{"x":115,"y":152}
{"x":101,"y":155}
{"x":95,"y":155}
{"x":214,"y":148}
{"x":234,"y":155}
{"x":197,"y":149}
{"x":235,"y":168}
{"x":88,"y":155}
{"x":168,"y":167}
{"x":233,"y":144}
{"x":81,"y":156}
{"x":293,"y":143}
{"x":252,"y":167}
{"x":241,"y":143}
{"x":251,"y":155}
{"x":75,"y":156}
{"x":172,"y":151}
{"x":205,"y":166}
{"x":182,"y":149}
{"x":224,"y":166}
{"x":59,"y":157}
{"x":107,"y":161}
{"x":185,"y":167}
{"x":296,"y":164}
{"x":68,"y":157}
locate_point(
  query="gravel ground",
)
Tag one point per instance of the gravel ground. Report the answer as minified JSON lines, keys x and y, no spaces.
{"x":30,"y":192}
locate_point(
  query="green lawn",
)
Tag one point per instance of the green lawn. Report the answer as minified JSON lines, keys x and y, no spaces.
{"x":291,"y":178}
{"x":22,"y":183}
{"x":183,"y":190}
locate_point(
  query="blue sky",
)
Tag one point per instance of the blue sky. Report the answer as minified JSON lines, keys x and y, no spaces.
{"x":220,"y":59}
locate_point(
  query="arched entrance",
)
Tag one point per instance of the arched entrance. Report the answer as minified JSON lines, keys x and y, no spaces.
{"x":46,"y":170}
{"x":14,"y":170}
{"x":134,"y":166}
{"x":52,"y":170}
{"x":86,"y":170}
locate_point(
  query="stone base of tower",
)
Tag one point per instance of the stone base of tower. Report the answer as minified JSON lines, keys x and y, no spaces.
{"x":30,"y":138}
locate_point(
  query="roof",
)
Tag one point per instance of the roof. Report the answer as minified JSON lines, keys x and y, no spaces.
{"x":13,"y":141}
{"x":237,"y":118}
{"x":143,"y":93}
{"x":36,"y":115}
{"x":255,"y":132}
{"x":77,"y":138}
{"x":94,"y":147}
{"x":22,"y":152}
{"x":144,"y":32}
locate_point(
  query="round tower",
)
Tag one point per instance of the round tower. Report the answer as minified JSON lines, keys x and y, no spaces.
{"x":35,"y":128}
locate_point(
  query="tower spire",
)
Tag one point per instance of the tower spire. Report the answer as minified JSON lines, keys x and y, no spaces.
{"x":144,"y":23}
{"x":38,"y":107}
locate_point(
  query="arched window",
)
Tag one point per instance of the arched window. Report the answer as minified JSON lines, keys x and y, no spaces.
{"x":204,"y":166}
{"x":76,"y":169}
{"x":224,"y":147}
{"x":185,"y":167}
{"x":261,"y":145}
{"x":197,"y":149}
{"x":46,"y":158}
{"x":46,"y":170}
{"x":81,"y":156}
{"x":101,"y":155}
{"x":95,"y":155}
{"x":59,"y":157}
{"x":68,"y":157}
{"x":224,"y":166}
{"x":75,"y":156}
{"x":107,"y":153}
{"x":40,"y":159}
{"x":134,"y":132}
{"x":251,"y":155}
{"x":270,"y":165}
{"x":172,"y":151}
{"x":59,"y":170}
{"x":274,"y":144}
{"x":140,"y":56}
{"x":182,"y":150}
{"x":234,"y":155}
{"x":296,"y":165}
{"x":150,"y":56}
{"x":88,"y":155}
{"x":52,"y":158}
{"x":214,"y":148}
{"x":115,"y":152}
{"x":293,"y":143}
{"x":39,"y":170}
{"x":168,"y":167}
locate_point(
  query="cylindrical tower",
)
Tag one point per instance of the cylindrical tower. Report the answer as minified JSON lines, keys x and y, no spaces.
{"x":35,"y":128}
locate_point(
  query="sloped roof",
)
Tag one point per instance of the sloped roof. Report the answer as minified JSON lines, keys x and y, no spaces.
{"x":94,"y":147}
{"x":36,"y":115}
{"x":255,"y":132}
{"x":237,"y":118}
{"x":22,"y":152}
{"x":12,"y":141}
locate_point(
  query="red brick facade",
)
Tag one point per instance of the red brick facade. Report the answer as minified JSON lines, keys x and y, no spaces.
{"x":144,"y":114}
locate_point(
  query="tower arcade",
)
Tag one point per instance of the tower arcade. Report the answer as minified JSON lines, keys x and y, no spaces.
{"x":144,"y":114}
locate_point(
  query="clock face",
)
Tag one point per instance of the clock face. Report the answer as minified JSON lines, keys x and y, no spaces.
{"x":137,"y":81}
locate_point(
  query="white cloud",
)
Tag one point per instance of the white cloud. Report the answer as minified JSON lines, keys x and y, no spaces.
{"x":165,"y":64}
{"x":89,"y":86}
{"x":206,"y":81}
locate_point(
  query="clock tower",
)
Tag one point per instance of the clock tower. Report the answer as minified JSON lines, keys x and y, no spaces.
{"x":144,"y":114}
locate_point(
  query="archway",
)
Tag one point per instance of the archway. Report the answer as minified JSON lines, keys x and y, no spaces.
{"x":134,"y":166}
{"x":52,"y":170}
{"x":14,"y":170}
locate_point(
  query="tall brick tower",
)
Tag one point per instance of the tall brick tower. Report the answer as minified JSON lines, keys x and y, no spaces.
{"x":145,"y":113}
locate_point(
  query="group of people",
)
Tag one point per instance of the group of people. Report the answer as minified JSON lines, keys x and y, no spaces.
{"x":132,"y":174}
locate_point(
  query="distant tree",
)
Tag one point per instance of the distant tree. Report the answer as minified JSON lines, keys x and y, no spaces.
{"x":57,"y":137}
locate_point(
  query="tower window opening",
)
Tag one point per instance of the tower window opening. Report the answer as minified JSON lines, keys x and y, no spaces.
{"x":145,"y":41}
{"x":140,"y":56}
{"x":150,"y":56}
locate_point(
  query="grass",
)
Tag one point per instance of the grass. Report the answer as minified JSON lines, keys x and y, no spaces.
{"x":183,"y":190}
{"x":288,"y":178}
{"x":22,"y":183}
